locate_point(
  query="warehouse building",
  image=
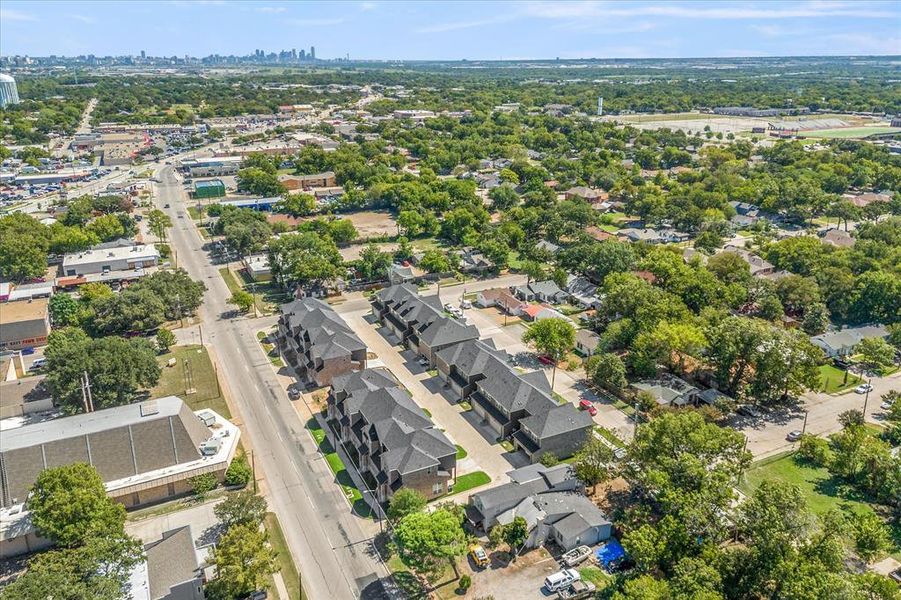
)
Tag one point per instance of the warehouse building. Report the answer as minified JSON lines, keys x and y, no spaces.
{"x":109,"y":258}
{"x":209,"y":188}
{"x":211,"y":167}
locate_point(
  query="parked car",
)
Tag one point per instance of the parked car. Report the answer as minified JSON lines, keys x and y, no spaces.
{"x":794,"y":436}
{"x":576,"y":556}
{"x":749,"y":410}
{"x":586,"y":404}
{"x":466,"y":304}
{"x":545,"y":360}
{"x":863,"y":388}
{"x":39,"y":363}
{"x":293,"y":393}
{"x":479,"y":556}
{"x":887,"y":405}
{"x":449,"y":307}
{"x":561,"y":580}
{"x":578,"y":590}
{"x":423,"y":361}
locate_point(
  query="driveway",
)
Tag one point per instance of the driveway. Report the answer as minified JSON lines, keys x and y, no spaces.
{"x":523,"y":579}
{"x":205,"y":527}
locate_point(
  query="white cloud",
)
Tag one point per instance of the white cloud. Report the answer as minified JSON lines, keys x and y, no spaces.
{"x":8,"y":14}
{"x":84,"y":19}
{"x":706,"y":10}
{"x":316,"y":22}
{"x":457,"y":25}
{"x":272,"y":10}
{"x":368,"y":5}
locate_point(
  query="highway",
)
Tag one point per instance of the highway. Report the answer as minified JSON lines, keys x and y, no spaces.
{"x":333,"y":554}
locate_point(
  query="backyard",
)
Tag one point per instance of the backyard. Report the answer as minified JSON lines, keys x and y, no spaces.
{"x":822,"y":491}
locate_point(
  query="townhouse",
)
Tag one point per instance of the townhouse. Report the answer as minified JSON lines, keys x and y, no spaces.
{"x":317,"y":342}
{"x":390,"y":438}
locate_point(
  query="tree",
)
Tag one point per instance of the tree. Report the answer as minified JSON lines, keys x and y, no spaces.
{"x":428,"y":539}
{"x":607,"y":371}
{"x":435,"y":261}
{"x":503,"y":197}
{"x":63,"y":310}
{"x":515,"y":534}
{"x":730,"y":267}
{"x":136,"y":308}
{"x":816,"y":319}
{"x":244,"y":561}
{"x":107,"y":228}
{"x":592,"y":462}
{"x":553,"y":338}
{"x":24,"y":243}
{"x":296,"y":205}
{"x":373,"y":264}
{"x":342,"y":231}
{"x":871,"y":536}
{"x":534,"y":270}
{"x":181,"y":295}
{"x":669,"y":344}
{"x":69,"y":506}
{"x":404,"y":502}
{"x":203,"y":484}
{"x":65,"y":239}
{"x":242,"y":299}
{"x":876,"y":352}
{"x":256,"y":181}
{"x":304,"y":259}
{"x":238,"y":472}
{"x":159,"y":222}
{"x":241,"y":508}
{"x":815,"y":450}
{"x":165,"y":339}
{"x":117,"y":368}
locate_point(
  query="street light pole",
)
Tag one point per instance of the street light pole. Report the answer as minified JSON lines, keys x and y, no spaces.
{"x":804,"y":426}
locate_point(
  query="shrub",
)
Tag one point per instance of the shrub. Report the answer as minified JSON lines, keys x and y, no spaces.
{"x":164,"y":250}
{"x":238,"y":473}
{"x":549,"y":459}
{"x":203,"y":484}
{"x":815,"y":450}
{"x":465,"y":583}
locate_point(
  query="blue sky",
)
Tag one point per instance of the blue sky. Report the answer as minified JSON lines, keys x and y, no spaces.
{"x":453,"y":30}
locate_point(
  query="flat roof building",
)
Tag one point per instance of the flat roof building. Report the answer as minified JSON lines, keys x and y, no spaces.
{"x":108,"y":258}
{"x":24,"y":324}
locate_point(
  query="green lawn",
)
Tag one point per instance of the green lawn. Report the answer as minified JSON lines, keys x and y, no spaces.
{"x":230,"y":281}
{"x":609,"y":436}
{"x":849,"y":132}
{"x":271,"y":352}
{"x":172,"y":381}
{"x":339,"y":469}
{"x":461,"y":452}
{"x":822,"y":491}
{"x":595,"y":575}
{"x":285,"y":563}
{"x":832,"y":380}
{"x":469,"y":481}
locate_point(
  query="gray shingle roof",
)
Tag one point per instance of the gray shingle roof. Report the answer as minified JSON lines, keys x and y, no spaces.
{"x":444,"y":330}
{"x":470,"y":357}
{"x":170,"y":561}
{"x":558,"y":420}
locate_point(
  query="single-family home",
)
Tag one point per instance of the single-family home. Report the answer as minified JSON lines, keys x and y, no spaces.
{"x":170,"y":570}
{"x":546,"y":246}
{"x":473,"y":261}
{"x":759,"y":266}
{"x":502,"y":299}
{"x":586,"y":193}
{"x":587,"y":342}
{"x":257,"y":266}
{"x":599,"y":234}
{"x":537,"y":312}
{"x":838,"y":238}
{"x":647,"y":235}
{"x":398,"y":274}
{"x":540,"y":291}
{"x":841,"y":343}
{"x":669,"y":390}
{"x":317,"y":342}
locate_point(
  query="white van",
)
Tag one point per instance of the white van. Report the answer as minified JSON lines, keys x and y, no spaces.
{"x":561,"y":580}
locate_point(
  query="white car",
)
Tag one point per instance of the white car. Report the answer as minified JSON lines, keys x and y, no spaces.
{"x":466,"y":304}
{"x":887,"y":405}
{"x":863,"y":388}
{"x":794,"y":436}
{"x":449,"y":307}
{"x":561,"y":580}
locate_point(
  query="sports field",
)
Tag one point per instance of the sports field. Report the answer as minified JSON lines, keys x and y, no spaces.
{"x":849,"y":132}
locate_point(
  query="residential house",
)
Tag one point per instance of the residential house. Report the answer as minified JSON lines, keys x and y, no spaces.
{"x":398,"y":274}
{"x":442,"y":333}
{"x":647,"y":235}
{"x":599,"y":234}
{"x":389,"y":436}
{"x":566,"y":517}
{"x":317,"y":343}
{"x":841,"y":343}
{"x":537,"y":312}
{"x":585,"y":193}
{"x":587,"y":342}
{"x":759,"y":266}
{"x":547,"y":246}
{"x":501,"y":298}
{"x":867,"y":198}
{"x":520,"y":406}
{"x":669,"y":390}
{"x":473,"y":261}
{"x":462,"y":365}
{"x":540,"y":291}
{"x":24,"y":324}
{"x":582,"y":292}
{"x":257,"y":266}
{"x":838,"y":238}
{"x":170,"y":570}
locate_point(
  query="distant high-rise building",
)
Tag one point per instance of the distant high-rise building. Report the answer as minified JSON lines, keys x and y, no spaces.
{"x":312,"y":52}
{"x":143,"y":54}
{"x":303,"y":54}
{"x":9,"y":93}
{"x":600,"y":105}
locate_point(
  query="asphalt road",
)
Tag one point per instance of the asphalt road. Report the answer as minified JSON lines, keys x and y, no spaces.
{"x":333,"y":554}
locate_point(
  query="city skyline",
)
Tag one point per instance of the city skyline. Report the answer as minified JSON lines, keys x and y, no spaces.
{"x":453,"y":30}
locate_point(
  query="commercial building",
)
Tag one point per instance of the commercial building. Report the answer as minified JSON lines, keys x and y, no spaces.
{"x":210,"y":188}
{"x":211,"y":167}
{"x":317,"y":342}
{"x":9,"y":93}
{"x":110,"y":258}
{"x":389,"y":436}
{"x":257,"y":266}
{"x":24,"y":324}
{"x":145,"y":452}
{"x":258,"y":204}
{"x":304,"y":182}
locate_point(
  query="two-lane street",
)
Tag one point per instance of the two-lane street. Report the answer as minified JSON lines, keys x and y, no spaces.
{"x":333,"y":553}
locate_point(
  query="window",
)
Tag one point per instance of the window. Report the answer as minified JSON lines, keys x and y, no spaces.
{"x":437,"y":488}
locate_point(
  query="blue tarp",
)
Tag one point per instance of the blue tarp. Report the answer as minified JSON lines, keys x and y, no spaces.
{"x":610,"y":552}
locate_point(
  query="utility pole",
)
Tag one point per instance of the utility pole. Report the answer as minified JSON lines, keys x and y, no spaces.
{"x":866,"y":398}
{"x":804,"y":426}
{"x":86,"y":398}
{"x":253,"y":471}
